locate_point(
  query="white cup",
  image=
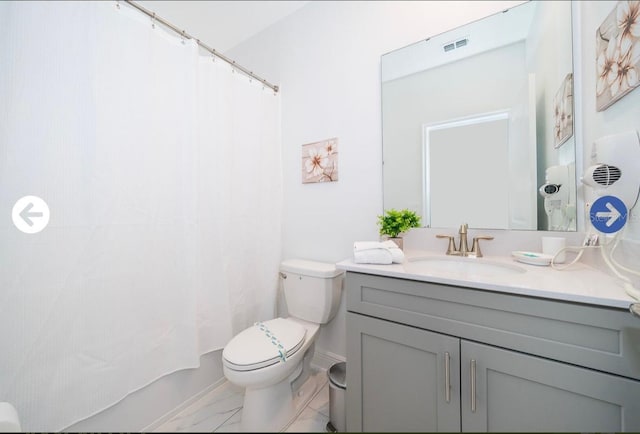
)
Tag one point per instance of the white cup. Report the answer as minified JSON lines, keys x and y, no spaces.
{"x":551,"y":246}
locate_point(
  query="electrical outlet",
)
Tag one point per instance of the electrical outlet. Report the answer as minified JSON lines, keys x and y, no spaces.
{"x":590,"y":240}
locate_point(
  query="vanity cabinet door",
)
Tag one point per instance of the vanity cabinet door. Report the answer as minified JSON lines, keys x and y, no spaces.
{"x":517,"y":392}
{"x":404,"y":378}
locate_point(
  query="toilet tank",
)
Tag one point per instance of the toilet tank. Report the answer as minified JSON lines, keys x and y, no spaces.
{"x":311,"y":289}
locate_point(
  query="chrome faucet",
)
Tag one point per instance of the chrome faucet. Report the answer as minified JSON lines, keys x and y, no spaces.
{"x":463,"y":249}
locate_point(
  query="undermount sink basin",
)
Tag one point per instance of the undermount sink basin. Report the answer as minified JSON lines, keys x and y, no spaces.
{"x":454,"y":264}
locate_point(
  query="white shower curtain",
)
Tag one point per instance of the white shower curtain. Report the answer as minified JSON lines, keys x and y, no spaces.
{"x":161,"y":169}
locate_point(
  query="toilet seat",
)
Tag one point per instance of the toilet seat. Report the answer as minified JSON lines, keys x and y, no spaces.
{"x":264,"y":344}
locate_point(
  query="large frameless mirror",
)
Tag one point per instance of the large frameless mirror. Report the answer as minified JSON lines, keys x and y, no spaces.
{"x":478,"y":123}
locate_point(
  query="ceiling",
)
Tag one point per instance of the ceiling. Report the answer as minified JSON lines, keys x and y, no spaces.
{"x":222,"y":24}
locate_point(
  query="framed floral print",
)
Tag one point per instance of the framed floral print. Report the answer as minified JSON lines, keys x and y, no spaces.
{"x":320,"y":161}
{"x":618,"y":54}
{"x":563,"y":112}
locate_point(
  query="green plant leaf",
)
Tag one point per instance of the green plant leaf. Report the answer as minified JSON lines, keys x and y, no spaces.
{"x":394,"y":222}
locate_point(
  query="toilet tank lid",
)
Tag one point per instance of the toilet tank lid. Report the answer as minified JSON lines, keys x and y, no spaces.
{"x":310,"y":268}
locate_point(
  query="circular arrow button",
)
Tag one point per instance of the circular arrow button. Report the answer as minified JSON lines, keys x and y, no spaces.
{"x":608,"y":214}
{"x":30,"y":214}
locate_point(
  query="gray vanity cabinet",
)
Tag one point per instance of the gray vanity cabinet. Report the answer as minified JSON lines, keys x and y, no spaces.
{"x":404,"y":373}
{"x":518,"y":392}
{"x":430,"y":357}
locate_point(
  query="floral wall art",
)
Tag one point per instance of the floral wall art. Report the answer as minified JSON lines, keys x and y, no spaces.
{"x":563,"y":112}
{"x":320,"y":161}
{"x":618,"y":54}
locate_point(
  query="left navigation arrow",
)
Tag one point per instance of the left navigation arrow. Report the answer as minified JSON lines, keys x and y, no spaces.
{"x":30,"y":214}
{"x":26,"y":214}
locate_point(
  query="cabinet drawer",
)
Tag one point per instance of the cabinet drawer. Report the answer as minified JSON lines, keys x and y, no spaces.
{"x":601,"y":338}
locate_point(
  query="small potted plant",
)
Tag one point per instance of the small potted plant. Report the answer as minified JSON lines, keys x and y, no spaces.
{"x":393,"y":223}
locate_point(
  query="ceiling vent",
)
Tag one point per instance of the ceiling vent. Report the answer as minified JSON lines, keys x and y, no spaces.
{"x":450,"y":46}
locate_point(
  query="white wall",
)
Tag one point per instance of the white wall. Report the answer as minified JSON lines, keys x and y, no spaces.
{"x":326,"y":59}
{"x":624,"y":115}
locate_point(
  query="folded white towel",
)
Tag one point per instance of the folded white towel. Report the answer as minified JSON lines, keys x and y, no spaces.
{"x":360,"y":246}
{"x":373,"y":256}
{"x":397,"y":255}
{"x":374,"y":252}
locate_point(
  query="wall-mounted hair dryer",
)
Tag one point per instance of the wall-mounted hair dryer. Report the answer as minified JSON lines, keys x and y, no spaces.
{"x":615,"y":171}
{"x":559,"y":197}
{"x":615,"y":167}
{"x":548,"y":190}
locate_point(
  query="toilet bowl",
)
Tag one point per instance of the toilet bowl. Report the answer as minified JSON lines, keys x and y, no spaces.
{"x":272,"y":359}
{"x":268,"y":398}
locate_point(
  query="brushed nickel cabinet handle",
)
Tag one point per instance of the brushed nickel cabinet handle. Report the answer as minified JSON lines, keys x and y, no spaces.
{"x":473,"y":386}
{"x":447,"y":377}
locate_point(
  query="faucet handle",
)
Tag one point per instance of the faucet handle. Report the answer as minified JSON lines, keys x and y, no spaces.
{"x":475,"y":248}
{"x":451,"y":248}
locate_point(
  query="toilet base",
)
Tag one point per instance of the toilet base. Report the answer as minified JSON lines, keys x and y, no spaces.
{"x":274,"y":408}
{"x":304,"y":395}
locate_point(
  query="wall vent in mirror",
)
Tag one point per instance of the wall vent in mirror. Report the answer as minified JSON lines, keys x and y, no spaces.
{"x":455,"y":44}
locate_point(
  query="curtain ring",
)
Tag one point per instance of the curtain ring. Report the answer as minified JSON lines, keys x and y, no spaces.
{"x":153,"y":21}
{"x":117,"y":4}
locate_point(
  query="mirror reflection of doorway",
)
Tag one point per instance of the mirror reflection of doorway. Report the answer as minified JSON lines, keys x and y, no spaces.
{"x":466,"y":163}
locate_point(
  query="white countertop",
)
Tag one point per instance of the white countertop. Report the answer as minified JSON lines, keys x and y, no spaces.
{"x":579,"y":283}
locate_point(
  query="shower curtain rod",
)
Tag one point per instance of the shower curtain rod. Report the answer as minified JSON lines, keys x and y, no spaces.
{"x":184,"y":34}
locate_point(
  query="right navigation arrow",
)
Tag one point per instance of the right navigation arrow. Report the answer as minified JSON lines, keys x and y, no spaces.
{"x":613,"y":214}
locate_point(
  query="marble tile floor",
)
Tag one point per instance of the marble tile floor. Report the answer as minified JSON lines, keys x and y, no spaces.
{"x":220,"y":411}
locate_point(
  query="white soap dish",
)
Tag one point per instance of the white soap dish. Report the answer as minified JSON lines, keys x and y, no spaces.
{"x":533,"y":258}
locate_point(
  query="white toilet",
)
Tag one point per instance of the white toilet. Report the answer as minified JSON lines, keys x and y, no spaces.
{"x":271,"y":359}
